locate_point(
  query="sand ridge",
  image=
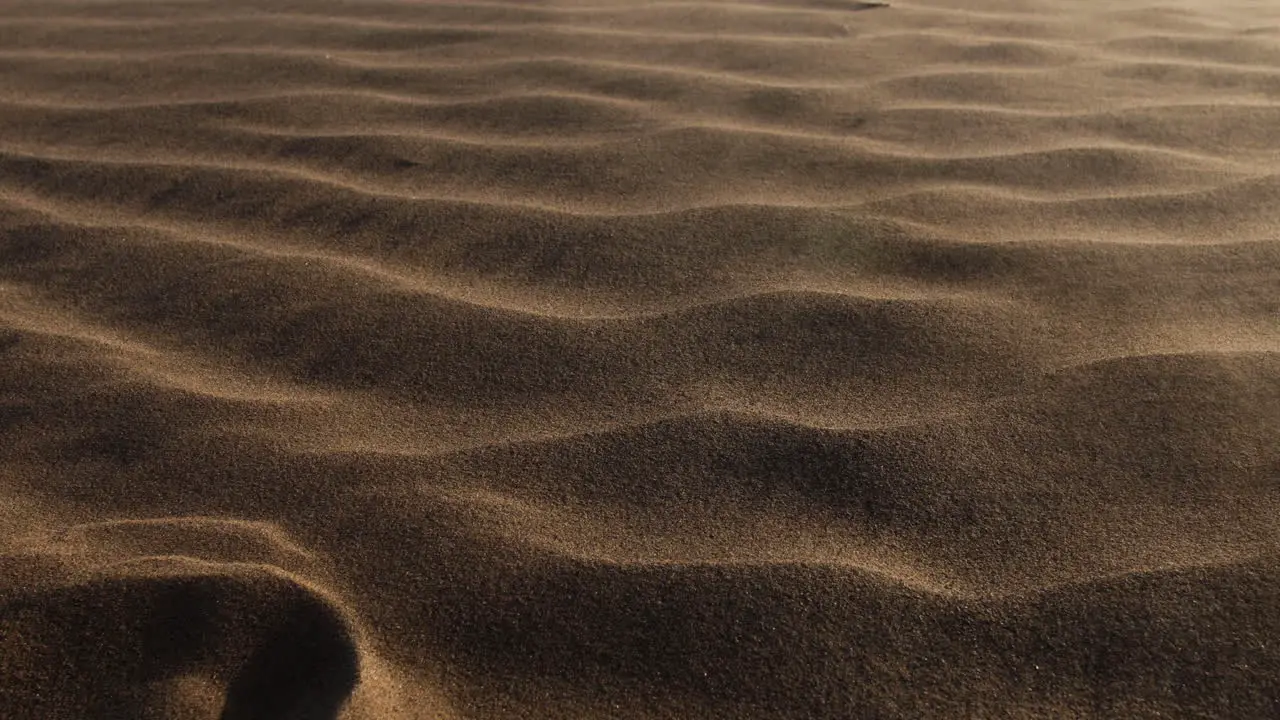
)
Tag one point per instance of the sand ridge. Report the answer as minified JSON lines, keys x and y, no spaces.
{"x":374,"y":359}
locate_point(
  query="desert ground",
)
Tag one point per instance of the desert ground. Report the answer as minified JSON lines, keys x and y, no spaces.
{"x":593,"y":359}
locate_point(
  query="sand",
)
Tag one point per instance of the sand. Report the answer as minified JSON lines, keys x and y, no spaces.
{"x":375,"y":359}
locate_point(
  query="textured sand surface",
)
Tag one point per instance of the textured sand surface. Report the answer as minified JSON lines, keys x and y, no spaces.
{"x":379,"y":359}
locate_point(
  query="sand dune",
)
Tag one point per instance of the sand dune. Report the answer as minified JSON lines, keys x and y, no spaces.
{"x":378,"y":359}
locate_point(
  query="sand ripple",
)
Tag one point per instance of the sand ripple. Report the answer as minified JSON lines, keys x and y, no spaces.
{"x":753,"y":359}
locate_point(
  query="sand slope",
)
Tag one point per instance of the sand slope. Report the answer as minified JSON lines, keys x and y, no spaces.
{"x":596,"y":359}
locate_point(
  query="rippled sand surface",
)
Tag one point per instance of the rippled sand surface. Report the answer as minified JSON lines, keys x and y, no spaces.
{"x":380,"y":359}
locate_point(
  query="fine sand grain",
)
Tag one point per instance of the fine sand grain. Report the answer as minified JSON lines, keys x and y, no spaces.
{"x":750,"y":359}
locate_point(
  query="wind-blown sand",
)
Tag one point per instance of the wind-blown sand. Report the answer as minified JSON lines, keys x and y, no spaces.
{"x":600,"y":359}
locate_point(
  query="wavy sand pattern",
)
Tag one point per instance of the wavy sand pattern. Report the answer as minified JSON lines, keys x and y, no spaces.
{"x":376,"y":359}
